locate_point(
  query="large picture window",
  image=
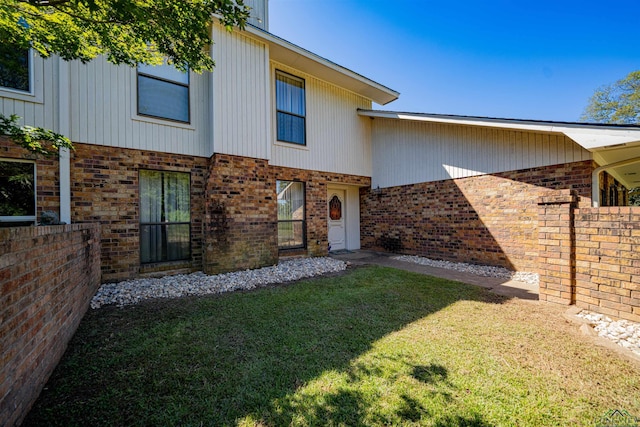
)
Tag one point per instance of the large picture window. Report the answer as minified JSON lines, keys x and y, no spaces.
{"x":15,"y":68}
{"x":290,"y":108}
{"x":291,"y":215}
{"x":17,"y":192}
{"x":163,"y":92}
{"x":165,"y":218}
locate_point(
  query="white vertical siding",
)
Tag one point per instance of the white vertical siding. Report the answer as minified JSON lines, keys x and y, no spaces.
{"x":104,"y":112}
{"x":259,"y":15}
{"x":240,"y":91}
{"x":407,"y":152}
{"x":338,"y":140}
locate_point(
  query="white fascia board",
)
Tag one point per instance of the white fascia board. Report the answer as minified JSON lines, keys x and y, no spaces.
{"x":296,"y":57}
{"x":590,"y":137}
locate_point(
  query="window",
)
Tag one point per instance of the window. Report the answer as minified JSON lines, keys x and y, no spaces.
{"x":290,"y":108}
{"x":165,"y":219}
{"x":17,"y":192}
{"x":15,"y":68}
{"x":163,"y":92}
{"x":291,"y":216}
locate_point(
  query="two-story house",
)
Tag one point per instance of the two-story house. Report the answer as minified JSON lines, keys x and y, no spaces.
{"x":278,"y":152}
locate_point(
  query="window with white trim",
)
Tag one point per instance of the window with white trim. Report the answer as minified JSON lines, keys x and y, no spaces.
{"x":291,"y":215}
{"x":290,"y":108}
{"x":15,"y":68}
{"x":17,"y":192}
{"x":165,"y":216}
{"x":163,"y":92}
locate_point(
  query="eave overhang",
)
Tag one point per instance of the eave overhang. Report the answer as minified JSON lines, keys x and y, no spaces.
{"x":294,"y":56}
{"x":609,"y":143}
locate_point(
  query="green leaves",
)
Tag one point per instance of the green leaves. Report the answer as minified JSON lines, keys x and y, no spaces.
{"x":616,"y":103}
{"x":125,"y":31}
{"x":35,"y":139}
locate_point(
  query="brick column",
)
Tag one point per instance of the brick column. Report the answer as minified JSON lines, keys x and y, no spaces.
{"x":556,"y":246}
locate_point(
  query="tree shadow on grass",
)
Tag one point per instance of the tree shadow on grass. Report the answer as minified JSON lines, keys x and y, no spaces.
{"x":250,"y":356}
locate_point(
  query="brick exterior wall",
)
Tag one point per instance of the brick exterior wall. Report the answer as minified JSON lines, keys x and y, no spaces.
{"x":608,"y":261}
{"x":486,"y":219}
{"x":47,"y":278}
{"x":47,"y":176}
{"x":556,"y":241}
{"x":105,"y":189}
{"x":241,"y":218}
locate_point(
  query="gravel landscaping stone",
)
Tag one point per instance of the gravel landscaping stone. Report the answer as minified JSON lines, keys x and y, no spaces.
{"x":133,"y":291}
{"x":623,"y":332}
{"x":479,"y":270}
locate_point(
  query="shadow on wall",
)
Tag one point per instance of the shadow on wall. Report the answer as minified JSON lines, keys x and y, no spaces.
{"x":487,"y":219}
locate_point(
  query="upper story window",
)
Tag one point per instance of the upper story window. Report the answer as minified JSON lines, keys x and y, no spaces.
{"x":17,"y":192}
{"x":15,"y":68}
{"x":163,"y":92}
{"x":290,"y":108}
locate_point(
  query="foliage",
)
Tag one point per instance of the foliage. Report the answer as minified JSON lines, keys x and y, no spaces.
{"x":616,"y":103}
{"x":16,"y":189}
{"x":373,"y":346}
{"x":634,"y":196}
{"x":125,"y":31}
{"x":35,"y":139}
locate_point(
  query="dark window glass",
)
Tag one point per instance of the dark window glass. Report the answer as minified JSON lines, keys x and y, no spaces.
{"x":290,"y":107}
{"x":163,"y":92}
{"x":17,"y":190}
{"x":291,"y":215}
{"x":165,"y":218}
{"x":14,"y":68}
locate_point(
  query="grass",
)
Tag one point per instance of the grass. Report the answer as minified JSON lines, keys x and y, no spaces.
{"x":374,"y":346}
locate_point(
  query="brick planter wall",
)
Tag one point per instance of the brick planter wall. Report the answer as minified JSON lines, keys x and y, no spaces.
{"x":47,"y":278}
{"x":241,"y":218}
{"x":486,"y":219}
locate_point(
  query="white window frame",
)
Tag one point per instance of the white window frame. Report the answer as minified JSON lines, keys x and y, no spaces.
{"x":304,"y":117}
{"x":36,"y":74}
{"x":156,"y":119}
{"x":24,"y":218}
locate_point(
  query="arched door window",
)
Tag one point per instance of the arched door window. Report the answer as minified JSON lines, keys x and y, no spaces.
{"x":335,"y":208}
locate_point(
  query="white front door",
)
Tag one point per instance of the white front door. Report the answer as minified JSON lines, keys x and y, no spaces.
{"x":337,"y":228}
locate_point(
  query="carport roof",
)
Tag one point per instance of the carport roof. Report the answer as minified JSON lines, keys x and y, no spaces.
{"x":609,"y":143}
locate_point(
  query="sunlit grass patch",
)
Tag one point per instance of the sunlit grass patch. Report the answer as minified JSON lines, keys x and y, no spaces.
{"x":374,"y":346}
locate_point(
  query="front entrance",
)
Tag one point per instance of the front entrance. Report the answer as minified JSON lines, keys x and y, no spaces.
{"x":337,"y":224}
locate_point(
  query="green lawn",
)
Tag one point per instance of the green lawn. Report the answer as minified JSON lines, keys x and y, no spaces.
{"x":373,"y":346}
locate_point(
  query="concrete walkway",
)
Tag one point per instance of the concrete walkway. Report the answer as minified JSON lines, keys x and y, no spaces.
{"x":508,"y":288}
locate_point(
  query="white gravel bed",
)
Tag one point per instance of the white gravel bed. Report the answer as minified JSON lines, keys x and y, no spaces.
{"x":480,"y":270}
{"x":622,"y":332}
{"x":133,"y":291}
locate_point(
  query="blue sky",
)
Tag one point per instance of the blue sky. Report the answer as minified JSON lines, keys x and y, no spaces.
{"x":511,"y":58}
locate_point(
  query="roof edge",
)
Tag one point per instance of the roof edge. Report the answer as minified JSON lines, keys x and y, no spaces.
{"x":336,"y":73}
{"x":591,"y":136}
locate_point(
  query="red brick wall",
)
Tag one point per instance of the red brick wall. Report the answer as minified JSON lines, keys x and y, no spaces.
{"x":486,"y":219}
{"x":47,"y":175}
{"x":105,"y":189}
{"x":556,"y":251}
{"x":607,"y":261}
{"x":47,"y":278}
{"x":241,"y":218}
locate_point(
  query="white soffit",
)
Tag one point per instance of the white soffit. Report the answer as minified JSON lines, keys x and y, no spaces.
{"x":294,"y":56}
{"x":589,"y":136}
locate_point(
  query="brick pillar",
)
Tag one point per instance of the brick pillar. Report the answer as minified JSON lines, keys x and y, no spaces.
{"x":556,"y":246}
